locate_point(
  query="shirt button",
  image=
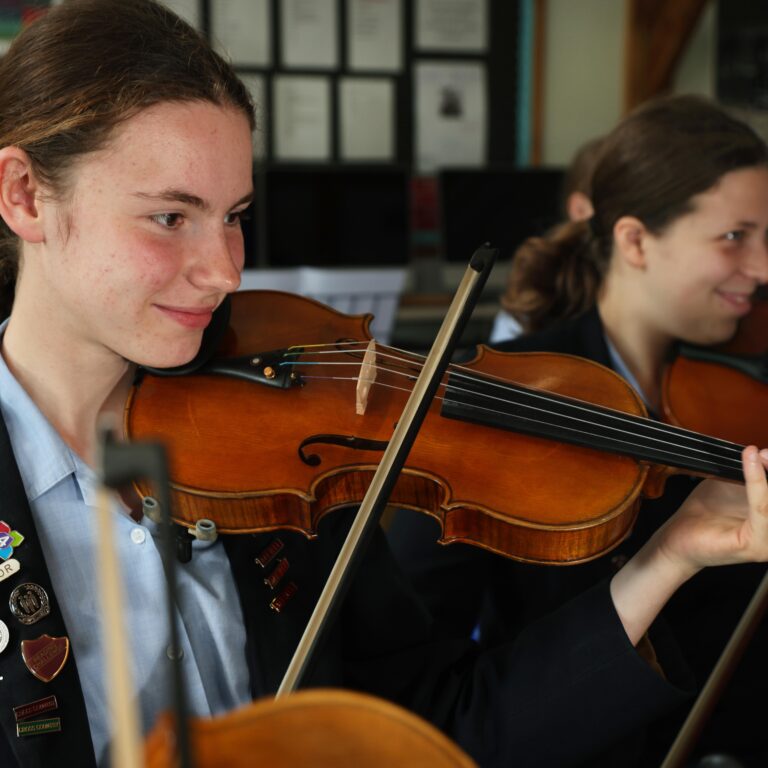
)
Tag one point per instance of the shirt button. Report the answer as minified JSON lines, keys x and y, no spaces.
{"x":138,"y":535}
{"x":173,"y":653}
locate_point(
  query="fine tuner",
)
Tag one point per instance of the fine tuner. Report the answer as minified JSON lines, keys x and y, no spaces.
{"x":203,"y":530}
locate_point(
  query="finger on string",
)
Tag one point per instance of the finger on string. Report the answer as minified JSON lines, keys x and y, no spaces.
{"x":756,"y":484}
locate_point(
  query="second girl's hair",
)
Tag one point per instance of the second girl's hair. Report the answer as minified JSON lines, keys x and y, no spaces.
{"x":650,"y":167}
{"x":75,"y":74}
{"x":578,"y":176}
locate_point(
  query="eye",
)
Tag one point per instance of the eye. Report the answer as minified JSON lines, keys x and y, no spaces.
{"x":237,"y":216}
{"x":168,"y":220}
{"x":735,"y":235}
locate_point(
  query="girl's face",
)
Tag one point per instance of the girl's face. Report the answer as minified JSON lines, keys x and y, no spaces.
{"x":148,"y":241}
{"x":703,"y":270}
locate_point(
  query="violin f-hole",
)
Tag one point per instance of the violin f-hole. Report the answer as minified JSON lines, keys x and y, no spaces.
{"x":345,"y":441}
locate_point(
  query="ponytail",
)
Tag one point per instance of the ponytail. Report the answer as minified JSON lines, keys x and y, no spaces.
{"x":554,"y":277}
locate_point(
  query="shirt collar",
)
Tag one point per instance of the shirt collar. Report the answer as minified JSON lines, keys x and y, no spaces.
{"x":623,"y":370}
{"x":43,"y":458}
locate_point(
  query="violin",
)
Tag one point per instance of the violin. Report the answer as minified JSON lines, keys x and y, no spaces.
{"x":322,"y":728}
{"x":723,"y":390}
{"x":287,"y":421}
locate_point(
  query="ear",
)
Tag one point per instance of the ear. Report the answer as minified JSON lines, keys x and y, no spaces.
{"x":578,"y":207}
{"x":630,"y":239}
{"x":18,"y":194}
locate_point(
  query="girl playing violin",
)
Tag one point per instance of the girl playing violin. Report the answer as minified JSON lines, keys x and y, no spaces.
{"x":125,"y":165}
{"x":675,"y":249}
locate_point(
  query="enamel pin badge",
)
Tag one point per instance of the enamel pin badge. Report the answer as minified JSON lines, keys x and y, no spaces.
{"x":8,"y":568}
{"x":46,"y":656}
{"x":9,"y":540}
{"x":36,"y":727}
{"x":29,"y":603}
{"x":35,"y":708}
{"x":25,"y":726}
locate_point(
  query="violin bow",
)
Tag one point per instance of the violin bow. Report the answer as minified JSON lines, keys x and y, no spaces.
{"x":120,"y":464}
{"x":392,"y":462}
{"x":718,"y":678}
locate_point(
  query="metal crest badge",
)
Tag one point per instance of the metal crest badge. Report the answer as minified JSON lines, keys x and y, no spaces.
{"x":9,"y":540}
{"x":29,"y":603}
{"x":46,"y":656}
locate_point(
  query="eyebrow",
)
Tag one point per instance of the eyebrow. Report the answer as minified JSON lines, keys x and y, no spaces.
{"x":179,"y":196}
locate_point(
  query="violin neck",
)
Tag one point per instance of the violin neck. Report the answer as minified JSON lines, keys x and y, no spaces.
{"x":543,"y":414}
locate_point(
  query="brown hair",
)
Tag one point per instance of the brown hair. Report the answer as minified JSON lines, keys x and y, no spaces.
{"x":650,"y":166}
{"x":578,"y":176}
{"x":85,"y":67}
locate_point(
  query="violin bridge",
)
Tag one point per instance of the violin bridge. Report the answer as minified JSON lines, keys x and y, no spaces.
{"x":365,"y":378}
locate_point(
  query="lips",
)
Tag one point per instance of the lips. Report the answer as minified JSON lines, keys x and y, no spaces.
{"x":741,"y":303}
{"x":188,"y":317}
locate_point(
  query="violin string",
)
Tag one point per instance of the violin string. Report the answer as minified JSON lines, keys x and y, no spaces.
{"x":598,"y":416}
{"x":629,"y":446}
{"x":635,"y":421}
{"x":611,"y":413}
{"x":599,"y":412}
{"x":551,"y":397}
{"x":620,"y":416}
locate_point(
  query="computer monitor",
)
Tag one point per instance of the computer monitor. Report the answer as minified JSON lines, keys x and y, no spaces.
{"x":501,"y":207}
{"x":348,"y":216}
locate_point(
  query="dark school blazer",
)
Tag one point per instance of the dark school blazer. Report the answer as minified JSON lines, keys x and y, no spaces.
{"x":574,"y":669}
{"x":504,"y":596}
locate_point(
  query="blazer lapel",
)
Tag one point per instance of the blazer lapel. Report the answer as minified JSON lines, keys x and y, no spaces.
{"x":273,"y":635}
{"x":72,"y":744}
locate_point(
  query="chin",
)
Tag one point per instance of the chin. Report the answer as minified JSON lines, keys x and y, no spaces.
{"x":710,"y":334}
{"x":166,"y":356}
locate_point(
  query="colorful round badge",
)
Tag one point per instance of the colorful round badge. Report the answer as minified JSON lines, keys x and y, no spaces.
{"x":29,"y":603}
{"x":5,"y":636}
{"x":8,"y":540}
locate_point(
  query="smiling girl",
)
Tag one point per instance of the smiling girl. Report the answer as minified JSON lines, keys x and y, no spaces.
{"x":125,"y":163}
{"x":675,"y":250}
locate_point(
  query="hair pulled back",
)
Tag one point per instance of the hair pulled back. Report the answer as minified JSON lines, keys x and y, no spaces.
{"x":578,"y":176}
{"x":650,"y":167}
{"x":83,"y":68}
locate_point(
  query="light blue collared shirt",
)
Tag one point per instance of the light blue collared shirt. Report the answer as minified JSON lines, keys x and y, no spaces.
{"x":622,"y":369}
{"x":61,"y":490}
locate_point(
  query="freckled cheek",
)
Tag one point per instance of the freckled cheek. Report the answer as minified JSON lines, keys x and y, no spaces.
{"x":156,"y":263}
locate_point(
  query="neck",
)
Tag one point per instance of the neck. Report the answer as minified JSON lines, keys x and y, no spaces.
{"x":74,"y":383}
{"x":643,"y":348}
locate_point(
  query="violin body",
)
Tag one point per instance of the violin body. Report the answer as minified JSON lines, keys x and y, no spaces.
{"x":712,"y":395}
{"x":321,"y":728}
{"x":240,"y":451}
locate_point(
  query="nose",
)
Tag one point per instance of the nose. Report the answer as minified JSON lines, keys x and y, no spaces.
{"x":218,"y":262}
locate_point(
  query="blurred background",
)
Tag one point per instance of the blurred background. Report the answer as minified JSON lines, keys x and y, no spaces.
{"x":395,"y":136}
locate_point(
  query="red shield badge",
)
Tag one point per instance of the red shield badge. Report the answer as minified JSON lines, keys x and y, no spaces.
{"x":45,"y":657}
